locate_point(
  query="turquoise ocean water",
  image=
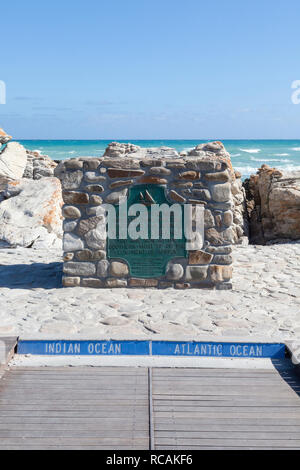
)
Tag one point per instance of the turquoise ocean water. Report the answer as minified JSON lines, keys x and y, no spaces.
{"x":247,"y":155}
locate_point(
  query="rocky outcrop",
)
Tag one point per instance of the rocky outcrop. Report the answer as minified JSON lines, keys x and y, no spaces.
{"x":4,"y":138}
{"x":30,"y":213}
{"x":273,"y":204}
{"x":119,"y":150}
{"x":38,"y":166}
{"x":13,"y":160}
{"x":17,"y":162}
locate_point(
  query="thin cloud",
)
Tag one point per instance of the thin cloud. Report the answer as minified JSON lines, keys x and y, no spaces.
{"x":51,"y":108}
{"x":103,"y":103}
{"x":26,"y":98}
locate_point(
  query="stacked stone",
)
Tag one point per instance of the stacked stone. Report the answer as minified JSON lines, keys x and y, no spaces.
{"x":211,"y":150}
{"x":240,"y":219}
{"x":88,"y":182}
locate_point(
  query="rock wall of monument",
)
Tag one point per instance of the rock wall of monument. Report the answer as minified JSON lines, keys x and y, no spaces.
{"x":89,"y":182}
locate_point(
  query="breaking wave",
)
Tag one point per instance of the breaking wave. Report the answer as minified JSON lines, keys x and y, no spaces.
{"x":262,"y":160}
{"x":252,"y":150}
{"x":248,"y":170}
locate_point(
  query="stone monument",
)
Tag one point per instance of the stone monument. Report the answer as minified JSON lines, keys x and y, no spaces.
{"x":125,"y":218}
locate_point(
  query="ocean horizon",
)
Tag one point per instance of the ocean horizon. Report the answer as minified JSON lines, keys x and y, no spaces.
{"x":247,"y":155}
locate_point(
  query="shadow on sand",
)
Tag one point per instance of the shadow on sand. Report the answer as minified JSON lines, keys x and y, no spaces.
{"x":30,"y":276}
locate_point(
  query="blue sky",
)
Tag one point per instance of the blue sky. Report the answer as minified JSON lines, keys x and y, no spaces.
{"x":150,"y":69}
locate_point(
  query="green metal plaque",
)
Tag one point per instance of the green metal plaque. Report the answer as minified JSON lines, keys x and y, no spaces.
{"x":147,"y":257}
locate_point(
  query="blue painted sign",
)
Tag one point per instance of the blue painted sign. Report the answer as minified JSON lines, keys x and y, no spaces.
{"x":212,"y":349}
{"x":84,"y":348}
{"x":152,"y":348}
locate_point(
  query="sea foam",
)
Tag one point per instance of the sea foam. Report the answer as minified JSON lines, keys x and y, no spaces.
{"x":263,"y":160}
{"x":251,"y":150}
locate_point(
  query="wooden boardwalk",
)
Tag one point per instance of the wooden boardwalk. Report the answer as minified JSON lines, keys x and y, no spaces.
{"x":226,"y":408}
{"x":161,"y":408}
{"x":74,"y":408}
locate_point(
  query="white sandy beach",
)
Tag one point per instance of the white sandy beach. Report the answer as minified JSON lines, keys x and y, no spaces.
{"x":264,"y":302}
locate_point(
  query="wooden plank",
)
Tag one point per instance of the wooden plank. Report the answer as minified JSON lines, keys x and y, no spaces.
{"x":81,"y":370}
{"x":216,"y":426}
{"x":81,"y":414}
{"x":245,"y":443}
{"x":215,"y":414}
{"x":193,"y":371}
{"x":73,"y":447}
{"x":98,"y":408}
{"x":217,"y":447}
{"x":89,"y":401}
{"x":229,"y":434}
{"x":227,"y":400}
{"x":47,"y":373}
{"x":69,"y":384}
{"x":111,"y":428}
{"x":90,"y":382}
{"x":124,"y":434}
{"x":83,"y":385}
{"x":233,"y":421}
{"x":194,"y":387}
{"x":53,"y":419}
{"x":189,"y":410}
{"x":231,"y":401}
{"x":57,"y":441}
{"x":222,"y":373}
{"x":211,"y":391}
{"x":220,"y":397}
{"x":195,"y":381}
{"x":6,"y":392}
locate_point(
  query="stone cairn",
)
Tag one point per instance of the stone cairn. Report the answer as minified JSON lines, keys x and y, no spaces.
{"x":201,"y":176}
